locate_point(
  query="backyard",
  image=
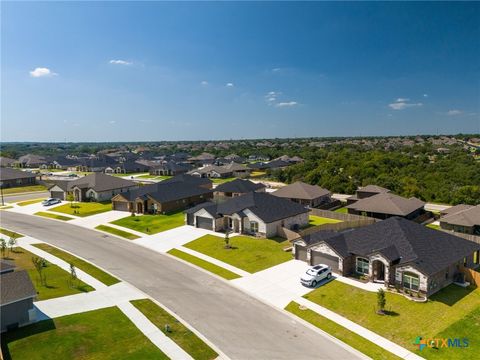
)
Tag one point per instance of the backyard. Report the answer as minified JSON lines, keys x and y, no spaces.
{"x":453,"y":310}
{"x":100,"y":334}
{"x":247,"y":253}
{"x":83,"y":209}
{"x":58,"y":281}
{"x":152,"y":224}
{"x":314,"y":220}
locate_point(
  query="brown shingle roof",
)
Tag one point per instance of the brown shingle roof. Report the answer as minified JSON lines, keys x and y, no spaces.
{"x":388,"y":203}
{"x":468,"y":217}
{"x":300,"y":190}
{"x":101,"y":182}
{"x":12,"y":174}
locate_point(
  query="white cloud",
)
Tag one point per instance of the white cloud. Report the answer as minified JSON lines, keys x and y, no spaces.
{"x":272,"y":96}
{"x":120,"y":62}
{"x":454,"y":112}
{"x":229,"y":85}
{"x":204,"y":83}
{"x":286,"y":104}
{"x":112,"y":122}
{"x":403,"y":103}
{"x":42,"y":72}
{"x":276,"y":69}
{"x":425,"y":95}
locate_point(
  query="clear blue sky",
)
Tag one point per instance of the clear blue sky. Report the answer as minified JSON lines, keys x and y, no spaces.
{"x":184,"y":71}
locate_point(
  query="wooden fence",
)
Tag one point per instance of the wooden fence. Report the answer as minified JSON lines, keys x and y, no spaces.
{"x":338,"y":226}
{"x":339,"y":216}
{"x":474,"y":238}
{"x":472,"y":276}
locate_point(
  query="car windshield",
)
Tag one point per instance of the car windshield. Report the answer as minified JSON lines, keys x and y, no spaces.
{"x":311,"y":272}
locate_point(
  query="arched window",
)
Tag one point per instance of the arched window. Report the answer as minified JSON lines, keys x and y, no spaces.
{"x":362,"y":265}
{"x":411,"y":281}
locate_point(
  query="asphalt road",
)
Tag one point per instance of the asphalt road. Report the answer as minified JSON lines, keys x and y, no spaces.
{"x":238,"y":324}
{"x":25,"y":196}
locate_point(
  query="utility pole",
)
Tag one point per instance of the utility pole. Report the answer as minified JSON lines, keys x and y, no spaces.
{"x":1,"y":191}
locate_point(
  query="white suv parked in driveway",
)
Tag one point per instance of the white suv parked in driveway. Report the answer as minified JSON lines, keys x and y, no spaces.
{"x":51,"y":201}
{"x":315,"y":274}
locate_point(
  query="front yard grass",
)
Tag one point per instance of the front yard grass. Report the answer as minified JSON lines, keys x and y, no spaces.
{"x":99,"y":334}
{"x":117,"y":232}
{"x":247,"y":253}
{"x":342,"y":210}
{"x":152,"y":224}
{"x":53,"y":216}
{"x":29,"y":202}
{"x":314,"y":220}
{"x":341,"y":333}
{"x":58,"y":281}
{"x":222,"y":180}
{"x":10,"y":233}
{"x":406,"y":319}
{"x":83,"y":209}
{"x":24,"y":189}
{"x":226,"y":274}
{"x":90,"y":269}
{"x":179,"y":333}
{"x":433,"y":226}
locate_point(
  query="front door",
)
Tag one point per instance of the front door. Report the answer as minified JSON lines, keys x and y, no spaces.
{"x":378,"y":271}
{"x":139,"y":208}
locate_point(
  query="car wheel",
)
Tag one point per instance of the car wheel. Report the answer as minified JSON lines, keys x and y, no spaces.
{"x":314,"y":283}
{"x":329,"y":276}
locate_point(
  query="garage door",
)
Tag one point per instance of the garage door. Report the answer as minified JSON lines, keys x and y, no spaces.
{"x":57,"y":194}
{"x":120,"y":205}
{"x":204,"y":223}
{"x":321,"y":258}
{"x":300,"y":252}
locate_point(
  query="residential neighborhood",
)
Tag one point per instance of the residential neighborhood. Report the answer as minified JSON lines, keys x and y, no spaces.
{"x":239,"y":180}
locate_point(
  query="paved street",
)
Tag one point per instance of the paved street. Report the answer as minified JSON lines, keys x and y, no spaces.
{"x":25,"y":196}
{"x":240,"y":325}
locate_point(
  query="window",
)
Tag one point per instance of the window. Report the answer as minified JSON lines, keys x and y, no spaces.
{"x":362,"y":266}
{"x":254,"y":226}
{"x":465,"y":261}
{"x":411,"y":281}
{"x":476,"y":256}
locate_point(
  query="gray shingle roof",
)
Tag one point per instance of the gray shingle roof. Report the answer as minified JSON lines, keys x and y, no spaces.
{"x":374,"y":189}
{"x":300,"y":190}
{"x":101,"y":182}
{"x":387,"y":203}
{"x":468,"y":217}
{"x":404,"y":241}
{"x":239,"y":186}
{"x":15,"y":286}
{"x":12,"y":174}
{"x":267,"y":207}
{"x":193,"y":180}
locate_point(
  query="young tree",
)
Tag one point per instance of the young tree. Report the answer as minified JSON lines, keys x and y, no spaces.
{"x":39,"y":263}
{"x":227,"y":240}
{"x":3,"y":246}
{"x":73,"y":272}
{"x":12,"y":242}
{"x":70,"y":198}
{"x":381,"y":301}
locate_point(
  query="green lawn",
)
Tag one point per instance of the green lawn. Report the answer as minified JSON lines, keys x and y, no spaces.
{"x":53,"y":216}
{"x":152,"y":224}
{"x":29,"y":202}
{"x":432,"y":226}
{"x":179,"y":333}
{"x":154,"y":177}
{"x":58,"y":280}
{"x":341,"y":333}
{"x":117,"y":232}
{"x":314,"y":220}
{"x":222,"y":180}
{"x":93,"y":335}
{"x":407,"y":319}
{"x":342,"y":210}
{"x":247,"y":253}
{"x":6,"y":207}
{"x":24,"y":189}
{"x":90,"y":269}
{"x":10,"y":233}
{"x":124,"y":175}
{"x":83,"y":209}
{"x":226,"y":274}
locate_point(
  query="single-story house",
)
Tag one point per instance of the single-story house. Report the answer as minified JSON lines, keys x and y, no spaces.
{"x":161,"y":198}
{"x":32,"y":161}
{"x":126,"y":168}
{"x":235,"y":158}
{"x":10,"y":177}
{"x":385,"y":205}
{"x":96,"y":164}
{"x":271,"y":165}
{"x":16,"y":298}
{"x":463,"y":219}
{"x":202,"y":159}
{"x":191,"y":180}
{"x":305,"y":194}
{"x":169,"y":168}
{"x":224,"y":171}
{"x":7,"y":162}
{"x":397,"y":252}
{"x":64,"y":163}
{"x":93,"y":187}
{"x":237,"y":187}
{"x":256,"y":213}
{"x":290,"y":159}
{"x":365,"y":192}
